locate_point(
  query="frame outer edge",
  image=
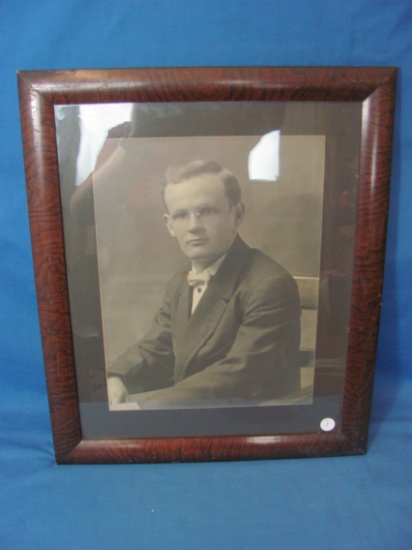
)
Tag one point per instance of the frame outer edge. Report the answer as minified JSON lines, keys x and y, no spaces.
{"x":373,"y":200}
{"x":40,"y":160}
{"x":40,"y":90}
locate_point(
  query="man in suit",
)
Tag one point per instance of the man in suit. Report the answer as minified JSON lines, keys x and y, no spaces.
{"x":229,"y":324}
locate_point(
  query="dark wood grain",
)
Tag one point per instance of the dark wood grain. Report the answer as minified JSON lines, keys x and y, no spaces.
{"x":373,"y":198}
{"x":207,"y":84}
{"x":40,"y":91}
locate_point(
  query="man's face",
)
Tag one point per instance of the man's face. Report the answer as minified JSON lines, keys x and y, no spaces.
{"x":200,"y":218}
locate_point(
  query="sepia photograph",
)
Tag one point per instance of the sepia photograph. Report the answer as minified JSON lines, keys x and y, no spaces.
{"x":225,"y":323}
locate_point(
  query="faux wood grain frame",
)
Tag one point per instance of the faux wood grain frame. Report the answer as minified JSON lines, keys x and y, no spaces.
{"x":373,"y":91}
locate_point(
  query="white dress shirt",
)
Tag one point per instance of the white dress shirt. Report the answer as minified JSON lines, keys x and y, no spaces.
{"x":199,"y":281}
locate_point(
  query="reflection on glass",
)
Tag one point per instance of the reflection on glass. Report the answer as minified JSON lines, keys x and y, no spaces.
{"x":264,"y":158}
{"x":120,"y":256}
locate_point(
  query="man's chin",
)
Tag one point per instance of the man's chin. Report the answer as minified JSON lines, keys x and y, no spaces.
{"x":197,"y":252}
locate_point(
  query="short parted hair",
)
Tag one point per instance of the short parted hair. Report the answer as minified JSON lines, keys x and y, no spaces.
{"x":178,"y":173}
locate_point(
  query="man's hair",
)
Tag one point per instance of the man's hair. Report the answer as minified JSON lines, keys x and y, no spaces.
{"x":184,"y":171}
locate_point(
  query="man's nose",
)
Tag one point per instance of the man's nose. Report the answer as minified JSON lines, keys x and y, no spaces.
{"x":195,"y":222}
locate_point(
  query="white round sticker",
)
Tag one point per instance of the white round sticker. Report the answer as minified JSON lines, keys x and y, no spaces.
{"x":327,"y":424}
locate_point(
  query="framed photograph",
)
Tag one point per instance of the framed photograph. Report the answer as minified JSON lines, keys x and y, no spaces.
{"x":208,"y":249}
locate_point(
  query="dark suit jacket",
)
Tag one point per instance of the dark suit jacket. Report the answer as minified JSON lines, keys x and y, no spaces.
{"x":241,"y":342}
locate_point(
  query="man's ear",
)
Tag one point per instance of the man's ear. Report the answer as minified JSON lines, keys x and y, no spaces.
{"x":169,"y":224}
{"x":239,"y":213}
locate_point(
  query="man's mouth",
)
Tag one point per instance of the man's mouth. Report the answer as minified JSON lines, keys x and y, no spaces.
{"x":197,"y":242}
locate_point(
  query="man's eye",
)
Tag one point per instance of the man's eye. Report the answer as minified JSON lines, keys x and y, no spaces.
{"x":206,"y":211}
{"x":180,"y":215}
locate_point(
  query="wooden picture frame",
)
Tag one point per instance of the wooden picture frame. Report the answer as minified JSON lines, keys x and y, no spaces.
{"x":353,"y":110}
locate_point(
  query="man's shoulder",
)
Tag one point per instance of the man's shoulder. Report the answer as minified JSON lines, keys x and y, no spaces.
{"x":266,"y":280}
{"x":262,"y":265}
{"x":256,"y":272}
{"x":244,"y":257}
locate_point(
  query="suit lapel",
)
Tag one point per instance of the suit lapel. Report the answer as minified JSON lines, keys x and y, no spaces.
{"x":193,"y":331}
{"x":182,"y":313}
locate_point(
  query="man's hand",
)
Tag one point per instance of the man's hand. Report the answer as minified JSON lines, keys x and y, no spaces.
{"x":117,"y":392}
